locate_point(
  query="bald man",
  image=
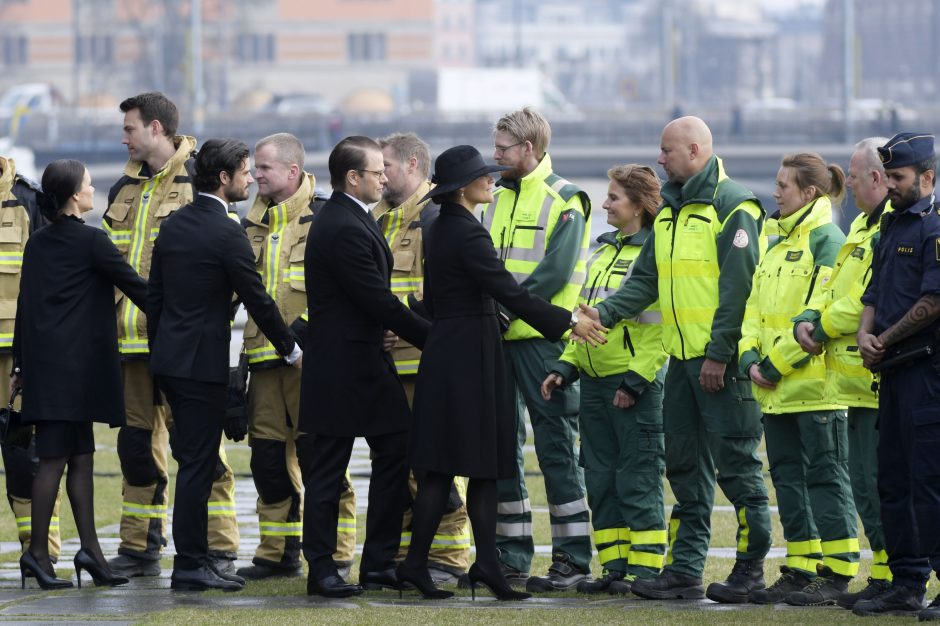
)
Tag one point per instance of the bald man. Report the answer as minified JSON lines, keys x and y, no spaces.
{"x":706,"y":242}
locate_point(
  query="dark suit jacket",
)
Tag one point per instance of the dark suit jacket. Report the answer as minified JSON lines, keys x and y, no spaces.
{"x":65,"y":339}
{"x":200,"y":257}
{"x":349,"y":384}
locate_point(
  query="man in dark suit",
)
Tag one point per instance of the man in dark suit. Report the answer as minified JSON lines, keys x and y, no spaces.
{"x":350,"y":387}
{"x":200,"y":257}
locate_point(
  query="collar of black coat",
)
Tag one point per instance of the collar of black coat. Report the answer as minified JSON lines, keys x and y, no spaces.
{"x":210,"y":201}
{"x":875,"y":215}
{"x":459,"y":210}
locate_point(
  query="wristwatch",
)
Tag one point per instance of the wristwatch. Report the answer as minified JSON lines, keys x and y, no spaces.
{"x":574,"y":320}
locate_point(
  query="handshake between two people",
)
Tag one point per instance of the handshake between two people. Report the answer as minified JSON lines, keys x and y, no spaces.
{"x":586,"y":326}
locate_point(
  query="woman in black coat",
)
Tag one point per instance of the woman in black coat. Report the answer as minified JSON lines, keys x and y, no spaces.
{"x":464,"y":423}
{"x":66,"y":361}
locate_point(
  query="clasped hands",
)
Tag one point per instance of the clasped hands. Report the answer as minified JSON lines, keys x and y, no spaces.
{"x":589,"y":328}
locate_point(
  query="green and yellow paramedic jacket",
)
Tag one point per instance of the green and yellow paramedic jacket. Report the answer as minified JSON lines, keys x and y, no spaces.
{"x":278,"y":237}
{"x":540,"y":225}
{"x":835,"y":311}
{"x":795,"y":267}
{"x":634,"y":347}
{"x":137,"y":205}
{"x":699,"y":261}
{"x":404,"y":228}
{"x":19,"y":217}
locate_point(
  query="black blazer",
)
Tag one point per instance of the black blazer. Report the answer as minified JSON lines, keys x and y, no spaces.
{"x":349,"y":384}
{"x":65,"y":338}
{"x":200,"y":257}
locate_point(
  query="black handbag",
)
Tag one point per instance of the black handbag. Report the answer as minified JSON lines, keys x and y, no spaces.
{"x":12,"y":430}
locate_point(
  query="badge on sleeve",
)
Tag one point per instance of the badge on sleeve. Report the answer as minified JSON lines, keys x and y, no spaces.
{"x":741,"y":239}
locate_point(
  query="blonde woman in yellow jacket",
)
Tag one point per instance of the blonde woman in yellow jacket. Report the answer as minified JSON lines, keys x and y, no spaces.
{"x":805,"y":429}
{"x":621,"y":418}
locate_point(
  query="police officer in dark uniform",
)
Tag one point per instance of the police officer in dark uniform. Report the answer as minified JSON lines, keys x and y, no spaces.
{"x":899,"y":336}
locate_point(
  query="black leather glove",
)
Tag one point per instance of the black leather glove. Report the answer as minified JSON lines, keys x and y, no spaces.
{"x":236,"y":426}
{"x":236,"y":410}
{"x":453,"y":499}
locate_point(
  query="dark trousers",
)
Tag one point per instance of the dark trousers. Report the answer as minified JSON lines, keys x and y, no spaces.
{"x":323,"y":461}
{"x":198,"y":414}
{"x":909,"y":471}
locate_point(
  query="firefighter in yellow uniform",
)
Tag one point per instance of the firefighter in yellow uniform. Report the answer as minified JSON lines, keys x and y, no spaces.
{"x":19,"y":217}
{"x":155,"y":183}
{"x":277,"y":226}
{"x":405,"y":222}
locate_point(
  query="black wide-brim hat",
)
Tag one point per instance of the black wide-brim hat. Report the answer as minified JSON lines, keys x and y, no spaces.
{"x":457,"y":167}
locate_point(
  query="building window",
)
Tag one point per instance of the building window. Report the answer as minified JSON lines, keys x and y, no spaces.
{"x":94,"y":49}
{"x":256,"y":48}
{"x":362,"y":47}
{"x":14,"y":49}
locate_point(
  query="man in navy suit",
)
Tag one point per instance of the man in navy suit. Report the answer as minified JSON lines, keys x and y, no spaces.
{"x":350,"y":387}
{"x":200,"y":258}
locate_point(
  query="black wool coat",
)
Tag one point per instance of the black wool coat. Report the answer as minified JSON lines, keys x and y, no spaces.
{"x":464,"y":419}
{"x":349,"y":385}
{"x":65,"y":340}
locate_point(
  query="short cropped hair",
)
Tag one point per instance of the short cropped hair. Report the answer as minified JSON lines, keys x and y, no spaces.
{"x":217,"y":156}
{"x":527,"y":125}
{"x":407,"y":145}
{"x":153,"y":105}
{"x":349,"y":154}
{"x":289,"y":149}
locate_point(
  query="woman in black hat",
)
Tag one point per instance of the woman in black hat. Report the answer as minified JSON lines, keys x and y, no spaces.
{"x":463,"y":417}
{"x":66,"y":362}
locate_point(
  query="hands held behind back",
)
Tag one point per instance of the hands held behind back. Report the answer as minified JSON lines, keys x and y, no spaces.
{"x":589,"y":328}
{"x":804,"y":335}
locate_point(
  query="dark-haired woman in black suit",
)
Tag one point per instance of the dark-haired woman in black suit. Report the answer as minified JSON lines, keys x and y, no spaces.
{"x":65,"y":360}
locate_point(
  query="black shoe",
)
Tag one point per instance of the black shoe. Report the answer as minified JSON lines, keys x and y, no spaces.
{"x":513,"y":576}
{"x":622,"y":587}
{"x":259,"y":572}
{"x":823,"y":591}
{"x":225,"y":568}
{"x":497,"y":584}
{"x":562,"y":576}
{"x":331,"y":587}
{"x":28,"y":563}
{"x":669,"y":586}
{"x":132,"y":567}
{"x":931,"y":613}
{"x":790,"y":580}
{"x":421,"y":580}
{"x":101,"y":575}
{"x":875,"y":587}
{"x":600,"y":585}
{"x":898,"y":600}
{"x":745,"y":577}
{"x":201,"y":579}
{"x":375,"y":581}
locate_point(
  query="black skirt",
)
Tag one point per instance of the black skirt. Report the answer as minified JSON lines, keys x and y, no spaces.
{"x":59,"y":439}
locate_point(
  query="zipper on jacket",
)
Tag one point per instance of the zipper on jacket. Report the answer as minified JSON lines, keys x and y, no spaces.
{"x":504,"y":252}
{"x":812,"y":283}
{"x":627,"y":343}
{"x":672,"y":281}
{"x":700,"y":217}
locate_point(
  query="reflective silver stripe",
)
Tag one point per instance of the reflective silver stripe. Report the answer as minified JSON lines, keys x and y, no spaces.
{"x":650,"y":317}
{"x":517,"y":507}
{"x":537,"y":251}
{"x":520,"y":276}
{"x":518,"y":529}
{"x":569,"y":508}
{"x":572,"y":529}
{"x":577,"y":278}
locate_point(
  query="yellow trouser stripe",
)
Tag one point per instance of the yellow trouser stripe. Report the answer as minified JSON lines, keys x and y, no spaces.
{"x":840,"y":546}
{"x":744,"y":530}
{"x":281,"y":529}
{"x":800,"y":548}
{"x":610,"y":535}
{"x":803,"y":563}
{"x":132,"y":509}
{"x":648,"y":537}
{"x":222,"y":508}
{"x":673,"y":531}
{"x":646,"y":559}
{"x":613,"y":553}
{"x":845,"y":568}
{"x":880,"y":571}
{"x":346,"y":525}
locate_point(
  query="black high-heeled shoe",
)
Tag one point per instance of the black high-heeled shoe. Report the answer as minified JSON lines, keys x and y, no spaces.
{"x":28,"y":563}
{"x":421,"y":580}
{"x":496,"y":584}
{"x":102,"y":577}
